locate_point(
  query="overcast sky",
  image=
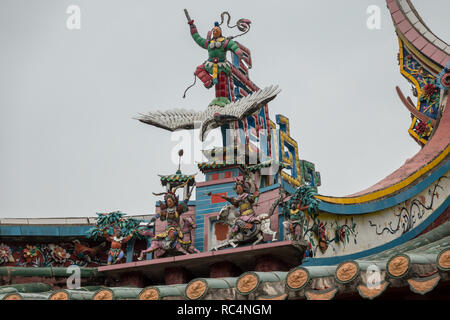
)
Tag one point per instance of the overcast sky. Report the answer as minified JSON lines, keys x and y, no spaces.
{"x":69,"y":145}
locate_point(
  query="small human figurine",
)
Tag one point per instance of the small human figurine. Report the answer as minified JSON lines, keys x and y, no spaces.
{"x":163,"y":242}
{"x":171,"y":211}
{"x":116,"y":253}
{"x":245,"y":202}
{"x":295,"y":220}
{"x":216,"y":70}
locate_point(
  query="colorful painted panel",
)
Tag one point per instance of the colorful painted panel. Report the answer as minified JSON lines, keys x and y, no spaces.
{"x":309,"y":174}
{"x":252,"y":127}
{"x":427,"y":90}
{"x":61,"y":254}
{"x":330,"y":235}
{"x":287,"y":152}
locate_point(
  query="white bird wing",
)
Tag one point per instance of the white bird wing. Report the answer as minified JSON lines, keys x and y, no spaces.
{"x":248,"y":105}
{"x":185,"y":119}
{"x":172,"y":119}
{"x":237,"y":110}
{"x":208,"y":121}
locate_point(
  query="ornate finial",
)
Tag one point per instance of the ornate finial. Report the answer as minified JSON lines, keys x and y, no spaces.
{"x":180,"y":154}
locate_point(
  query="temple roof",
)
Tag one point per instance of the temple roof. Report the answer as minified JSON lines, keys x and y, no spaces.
{"x":434,"y":54}
{"x":177,"y":177}
{"x":415,"y":268}
{"x":252,"y":168}
{"x":410,"y":26}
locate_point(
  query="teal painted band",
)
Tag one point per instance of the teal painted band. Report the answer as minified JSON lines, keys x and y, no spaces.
{"x":402,"y":239}
{"x":39,"y":231}
{"x":353,"y":209}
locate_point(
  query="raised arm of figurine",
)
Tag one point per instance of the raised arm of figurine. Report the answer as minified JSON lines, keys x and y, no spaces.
{"x":230,"y":200}
{"x":125,"y":240}
{"x":107,"y":236}
{"x":202,"y":42}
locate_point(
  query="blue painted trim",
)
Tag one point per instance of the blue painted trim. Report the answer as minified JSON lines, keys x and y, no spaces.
{"x":388,"y":202}
{"x":229,"y":186}
{"x":44,"y":231}
{"x":209,"y":205}
{"x":280,"y":225}
{"x":290,"y":189}
{"x":200,"y":223}
{"x":225,"y":185}
{"x":130,"y":250}
{"x":203,"y":202}
{"x":268,"y":188}
{"x":396,"y":242}
{"x":211,"y":209}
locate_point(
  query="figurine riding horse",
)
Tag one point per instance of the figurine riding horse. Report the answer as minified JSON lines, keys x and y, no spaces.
{"x":229,"y":216}
{"x":169,"y":241}
{"x":166,"y":242}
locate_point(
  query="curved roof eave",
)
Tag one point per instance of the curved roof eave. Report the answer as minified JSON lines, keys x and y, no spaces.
{"x":435,"y":153}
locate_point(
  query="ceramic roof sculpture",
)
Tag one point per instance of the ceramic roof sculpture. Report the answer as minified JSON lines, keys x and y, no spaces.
{"x":389,"y":240}
{"x":214,"y":116}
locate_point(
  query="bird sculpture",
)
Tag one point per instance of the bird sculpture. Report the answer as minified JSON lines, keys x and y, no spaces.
{"x":85,"y":252}
{"x":214,"y":116}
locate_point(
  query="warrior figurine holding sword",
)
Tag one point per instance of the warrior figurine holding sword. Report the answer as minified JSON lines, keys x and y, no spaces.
{"x":245,"y":201}
{"x":216,"y":70}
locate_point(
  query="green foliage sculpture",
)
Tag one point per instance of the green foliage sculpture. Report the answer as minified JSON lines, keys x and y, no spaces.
{"x":304,"y":196}
{"x":109,"y":222}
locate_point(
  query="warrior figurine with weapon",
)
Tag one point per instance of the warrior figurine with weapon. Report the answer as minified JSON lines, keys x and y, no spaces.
{"x":170,"y":211}
{"x":245,"y":201}
{"x":216,"y":70}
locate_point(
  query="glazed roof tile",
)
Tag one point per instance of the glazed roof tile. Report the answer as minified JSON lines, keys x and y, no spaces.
{"x":422,"y":275}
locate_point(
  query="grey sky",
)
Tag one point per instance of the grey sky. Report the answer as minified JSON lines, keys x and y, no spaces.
{"x":69,"y":144}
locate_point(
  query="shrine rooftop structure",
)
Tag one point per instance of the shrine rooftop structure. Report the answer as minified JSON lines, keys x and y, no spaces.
{"x":396,"y":230}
